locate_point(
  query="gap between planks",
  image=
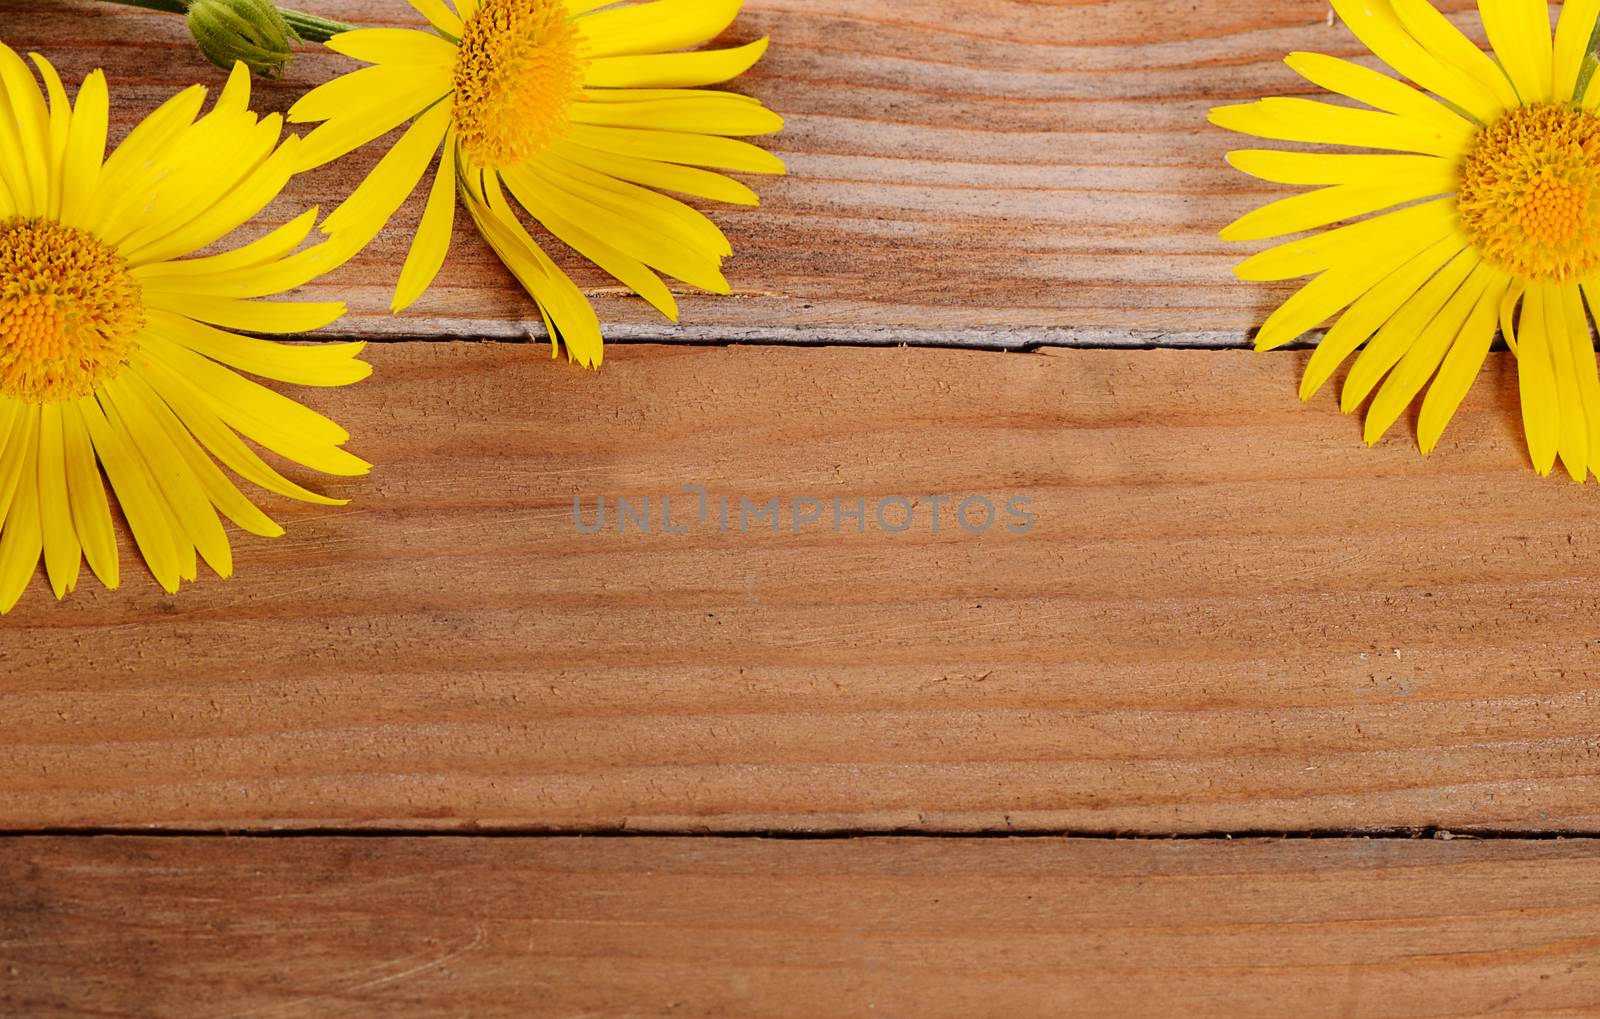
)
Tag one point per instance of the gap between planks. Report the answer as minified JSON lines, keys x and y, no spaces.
{"x":1028,"y":341}
{"x":831,"y":835}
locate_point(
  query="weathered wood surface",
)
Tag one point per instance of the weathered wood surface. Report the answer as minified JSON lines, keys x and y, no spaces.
{"x":998,"y":173}
{"x":1230,"y":615}
{"x":759,"y":930}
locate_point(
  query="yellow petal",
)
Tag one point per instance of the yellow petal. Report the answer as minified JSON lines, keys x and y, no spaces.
{"x":1454,"y":50}
{"x":134,"y":164}
{"x":147,"y":517}
{"x":1461,"y":366}
{"x":1415,"y":227}
{"x":250,"y":316}
{"x":1322,"y":168}
{"x":269,"y":248}
{"x":678,"y":147}
{"x":709,"y":114}
{"x":1584,"y":366}
{"x":668,"y":216}
{"x":1541,"y":409}
{"x":1378,"y":90}
{"x":687,"y":180}
{"x":21,"y":433}
{"x":139,"y":150}
{"x":1574,"y":442}
{"x":630,"y":271}
{"x":196,"y":185}
{"x":367,"y":88}
{"x":1331,"y":291}
{"x":1372,"y":310}
{"x":262,"y":280}
{"x":395,"y":46}
{"x":241,"y":203}
{"x":1375,"y":23}
{"x":218,"y":489}
{"x":567,"y":312}
{"x":91,"y":513}
{"x":542,"y":194}
{"x":177,"y":483}
{"x":1332,"y":205}
{"x":209,"y":429}
{"x":322,"y":364}
{"x":273,"y":420}
{"x":86,"y":149}
{"x":657,"y":27}
{"x":359,"y":218}
{"x":1400,"y":333}
{"x":21,"y":540}
{"x":59,"y":126}
{"x":674,"y":70}
{"x":432,"y":241}
{"x":235,"y":97}
{"x":1425,"y":355}
{"x":1307,"y":120}
{"x":1573,"y":35}
{"x":183,"y":545}
{"x":16,"y":184}
{"x":30,"y":127}
{"x":361,"y":106}
{"x":439,"y":16}
{"x":1519,"y":31}
{"x":239,"y":398}
{"x":8,"y":205}
{"x":62,"y":552}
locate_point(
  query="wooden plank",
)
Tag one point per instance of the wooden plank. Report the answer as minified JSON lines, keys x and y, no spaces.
{"x":999,"y":173}
{"x":760,"y":930}
{"x":1229,"y":616}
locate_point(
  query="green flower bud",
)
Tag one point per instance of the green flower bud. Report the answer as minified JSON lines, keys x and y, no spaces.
{"x":252,"y":31}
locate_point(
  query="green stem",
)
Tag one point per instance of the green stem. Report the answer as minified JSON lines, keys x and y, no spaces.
{"x":309,"y":27}
{"x":1590,"y":61}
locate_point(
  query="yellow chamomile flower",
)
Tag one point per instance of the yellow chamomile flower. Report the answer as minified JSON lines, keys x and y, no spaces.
{"x":1482,"y":211}
{"x":116,"y":352}
{"x":582,"y":115}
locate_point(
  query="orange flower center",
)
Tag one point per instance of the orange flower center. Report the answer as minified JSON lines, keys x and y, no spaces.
{"x":1530,"y":193}
{"x":517,"y":71}
{"x":69,"y":311}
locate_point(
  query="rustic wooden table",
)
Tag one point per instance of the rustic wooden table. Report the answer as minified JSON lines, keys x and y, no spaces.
{"x":438,"y":754}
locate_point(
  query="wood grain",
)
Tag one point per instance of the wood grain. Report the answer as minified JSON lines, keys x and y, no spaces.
{"x":1002,"y":173}
{"x":761,"y":930}
{"x":1230,"y":615}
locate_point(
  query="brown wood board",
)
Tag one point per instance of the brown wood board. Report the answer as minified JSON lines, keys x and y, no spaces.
{"x":755,"y":929}
{"x":1230,"y":615}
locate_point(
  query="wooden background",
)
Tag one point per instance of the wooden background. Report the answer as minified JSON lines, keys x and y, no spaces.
{"x":438,"y":754}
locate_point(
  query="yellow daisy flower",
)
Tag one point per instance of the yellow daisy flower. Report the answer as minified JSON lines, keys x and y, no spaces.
{"x":582,"y":114}
{"x":1487,"y":194}
{"x":115,"y":351}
